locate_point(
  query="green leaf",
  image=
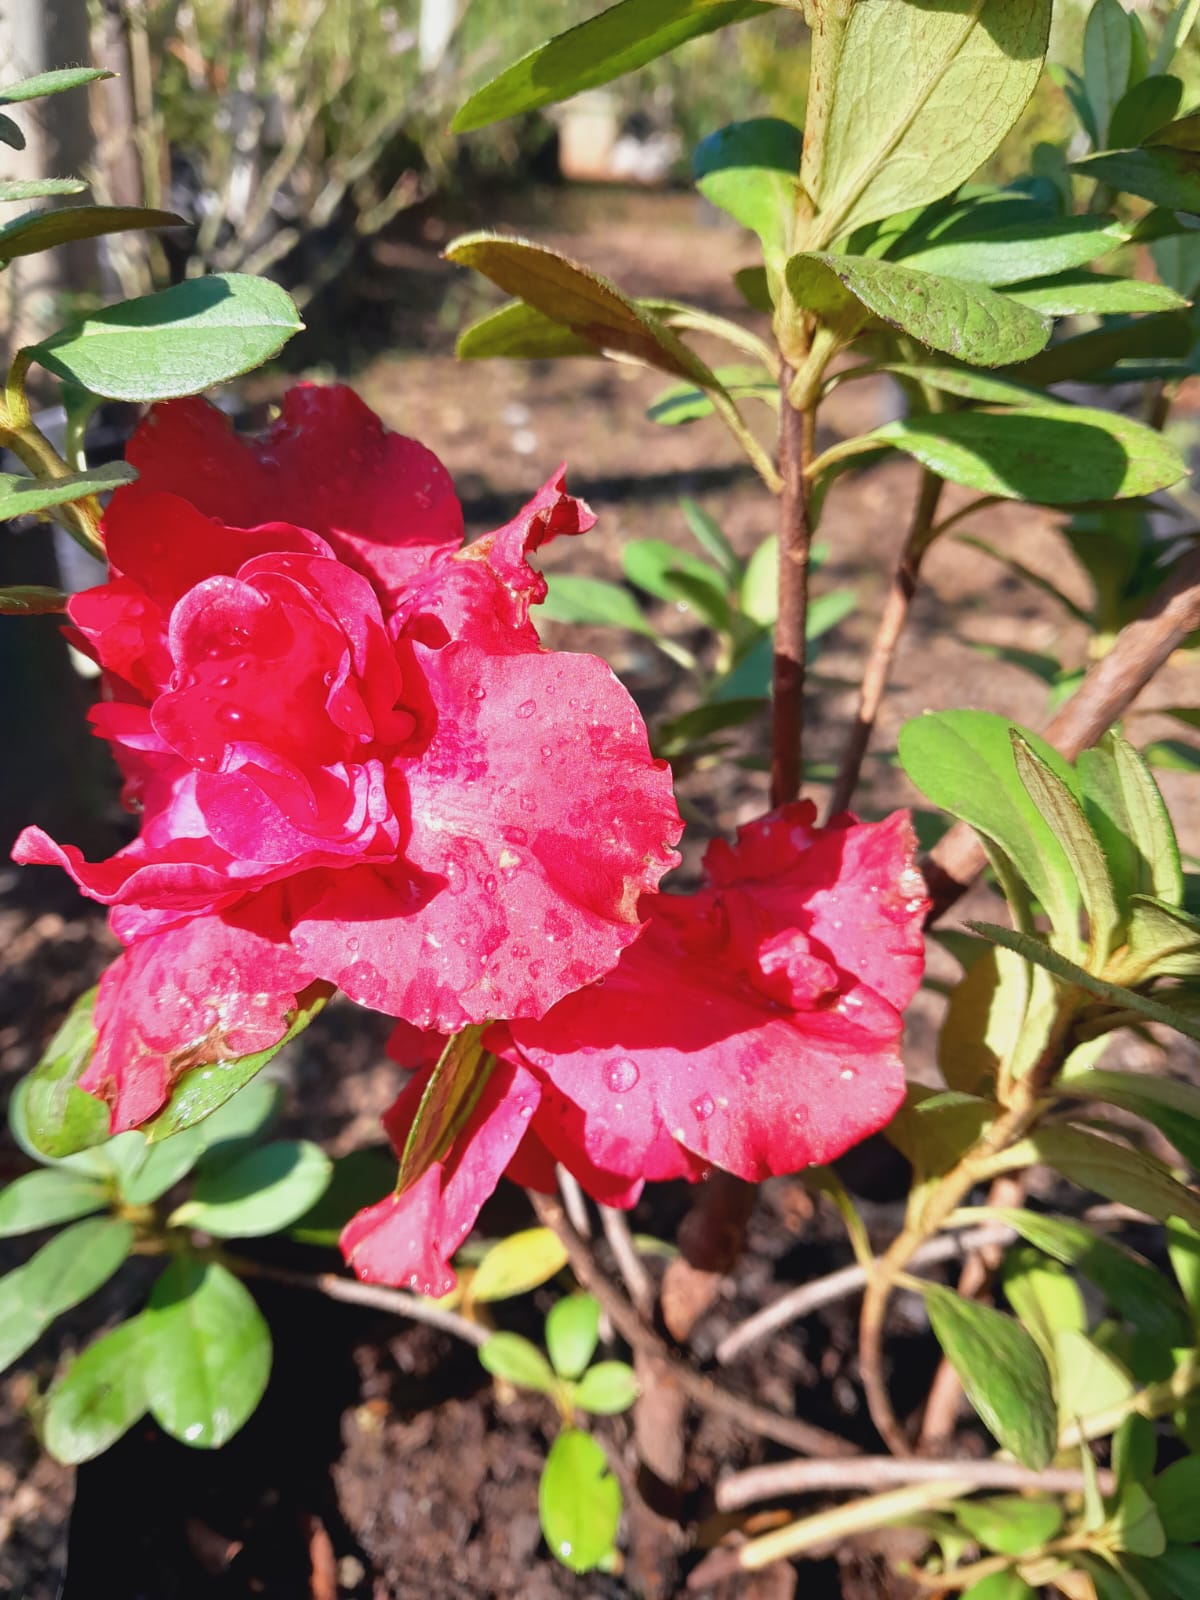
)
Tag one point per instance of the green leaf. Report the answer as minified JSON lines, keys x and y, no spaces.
{"x":1173,"y":1107}
{"x":1010,"y":1523}
{"x":21,"y":1324}
{"x":574,"y":599}
{"x":360,"y":1179}
{"x":751,"y":171}
{"x":450,"y":1096}
{"x":59,"y":1117}
{"x":1045,"y":1298}
{"x":1113,"y":1170}
{"x":1134,"y":1451}
{"x":261,"y":1191}
{"x":516,"y":332}
{"x":963,"y":761}
{"x":678,"y":735}
{"x":1135,"y":1525}
{"x":754,"y":287}
{"x":43,"y":1199}
{"x":1062,"y":812}
{"x":74,"y":1265}
{"x":36,"y":188}
{"x":206,"y":1353}
{"x":42,"y":230}
{"x":1002,"y":1371}
{"x":572,"y":1333}
{"x":1126,"y":809}
{"x":161,"y":1167}
{"x":1176,"y":1494}
{"x":1128,"y":1282}
{"x":1164,"y":940}
{"x":1092,"y":294}
{"x":1169,"y":178}
{"x":685,"y":402}
{"x":31,"y":600}
{"x":1121,"y":999}
{"x":1052,"y":454}
{"x":607,"y":1389}
{"x":176,"y":342}
{"x":619,"y":40}
{"x":580,"y":300}
{"x":707,"y":534}
{"x":1143,"y":109}
{"x":896,"y":135}
{"x":200,"y":1092}
{"x":983,"y":1022}
{"x":54,"y":82}
{"x":21,"y":496}
{"x":517,"y":1264}
{"x":976,"y":250}
{"x":967,"y":383}
{"x":1179,"y":24}
{"x":1107,"y":59}
{"x":1000,"y":1586}
{"x":11,"y":134}
{"x":509,"y":1356}
{"x":1089,"y":1379}
{"x":962,"y":319}
{"x":579,"y":1502}
{"x":656,"y":566}
{"x":100,"y":1398}
{"x":1177,"y":260}
{"x":1094,"y":355}
{"x":1173,"y":755}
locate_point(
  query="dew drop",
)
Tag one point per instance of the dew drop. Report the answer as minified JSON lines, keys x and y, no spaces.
{"x":489,"y":884}
{"x":229,"y":715}
{"x":621,"y":1076}
{"x":526,"y":709}
{"x":456,"y":878}
{"x":477,"y":692}
{"x":224,"y":681}
{"x":528,"y":803}
{"x":703,"y":1108}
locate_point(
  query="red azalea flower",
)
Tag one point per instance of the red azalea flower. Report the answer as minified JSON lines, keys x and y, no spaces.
{"x":344,"y":735}
{"x":754,"y":1026}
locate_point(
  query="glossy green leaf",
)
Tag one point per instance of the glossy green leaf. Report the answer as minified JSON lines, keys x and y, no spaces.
{"x":1130,"y":1284}
{"x":509,"y":1356}
{"x":521,"y":1262}
{"x":1119,"y":1173}
{"x":1126,"y":809}
{"x":516,"y":332}
{"x":54,"y":82}
{"x":607,"y":1389}
{"x":572,"y":1333}
{"x":1063,"y":813}
{"x":1171,"y":1105}
{"x":262,"y":1190}
{"x":751,"y":171}
{"x":43,"y":1199}
{"x":161,"y":1167}
{"x":21,"y":496}
{"x":959,"y":318}
{"x":1051,"y":454}
{"x":619,"y":40}
{"x":1143,"y":109}
{"x":578,"y":299}
{"x":1092,"y":294}
{"x":1107,"y":59}
{"x":963,"y":761}
{"x":31,"y":600}
{"x":896,"y":135}
{"x":1010,"y":1523}
{"x":579,"y":1502}
{"x":1121,"y":999}
{"x":1002,"y":1371}
{"x":59,"y":1117}
{"x":979,"y":252}
{"x":1090,"y":1380}
{"x":200,"y":1092}
{"x":74,"y":1264}
{"x":37,"y":188}
{"x":1169,"y":178}
{"x":1045,"y":1298}
{"x":42,"y":230}
{"x":449,"y":1098}
{"x":206,"y":1353}
{"x":176,"y":342}
{"x":100,"y":1397}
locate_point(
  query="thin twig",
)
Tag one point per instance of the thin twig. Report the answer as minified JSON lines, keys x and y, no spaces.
{"x":629,"y":1264}
{"x":575,"y":1202}
{"x":374,"y":1295}
{"x":1109,"y":689}
{"x":887,"y":636}
{"x":810,"y":1297}
{"x":802,"y":1436}
{"x":885,"y":1472}
{"x":797,"y":430}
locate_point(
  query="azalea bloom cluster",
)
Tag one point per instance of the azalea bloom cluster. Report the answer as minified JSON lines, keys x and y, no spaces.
{"x":355,"y":764}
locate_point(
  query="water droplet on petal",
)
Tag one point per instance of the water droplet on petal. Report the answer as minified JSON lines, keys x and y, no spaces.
{"x":621,"y":1076}
{"x":526,"y":709}
{"x":229,"y":715}
{"x":703,"y":1108}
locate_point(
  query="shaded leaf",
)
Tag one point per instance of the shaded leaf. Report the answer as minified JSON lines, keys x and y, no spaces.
{"x":519,"y":333}
{"x":1172,"y":1106}
{"x":751,"y":171}
{"x":359,"y":1179}
{"x":74,"y":1264}
{"x":21,"y":1324}
{"x":43,"y":1199}
{"x":31,"y":600}
{"x":1113,"y":1170}
{"x":21,"y":496}
{"x":1169,"y":178}
{"x":573,"y":598}
{"x":42,"y":230}
{"x":1143,"y":109}
{"x":1045,"y":1297}
{"x":100,"y":1397}
{"x":1126,"y":810}
{"x":261,"y":1191}
{"x":1107,"y":59}
{"x":1176,"y":1494}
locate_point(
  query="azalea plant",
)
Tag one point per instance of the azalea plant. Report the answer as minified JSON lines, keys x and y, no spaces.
{"x":358,"y":771}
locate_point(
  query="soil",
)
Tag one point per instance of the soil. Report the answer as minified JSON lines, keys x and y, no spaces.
{"x":383,"y":1462}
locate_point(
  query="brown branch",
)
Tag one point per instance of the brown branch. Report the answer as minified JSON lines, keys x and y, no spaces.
{"x":1109,"y":689}
{"x":810,"y":1297}
{"x":629,"y":1264}
{"x":642,"y":1339}
{"x":887,"y":636}
{"x":797,"y":431}
{"x":885,"y":1472}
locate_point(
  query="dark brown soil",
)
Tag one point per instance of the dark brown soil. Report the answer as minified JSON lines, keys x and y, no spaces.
{"x":383,"y":1463}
